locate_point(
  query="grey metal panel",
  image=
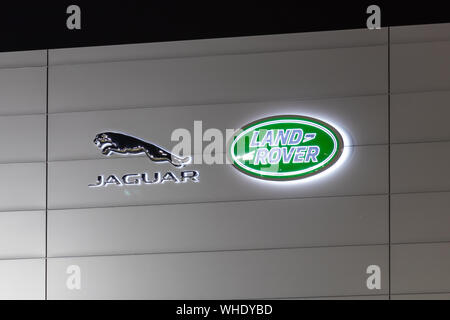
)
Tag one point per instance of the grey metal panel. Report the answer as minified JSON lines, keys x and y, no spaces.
{"x":420,"y":117}
{"x":222,"y":275}
{"x":420,"y":268}
{"x":218,"y":226}
{"x":22,"y":90}
{"x":420,"y":217}
{"x":219,"y":79}
{"x":22,"y":279}
{"x":23,"y":59}
{"x":437,"y":296}
{"x":362,"y":119}
{"x":22,"y":234}
{"x":23,"y":186}
{"x":23,"y":138}
{"x":363,"y":173}
{"x":420,"y":67}
{"x":238,"y":45}
{"x":420,"y":167}
{"x":420,"y":33}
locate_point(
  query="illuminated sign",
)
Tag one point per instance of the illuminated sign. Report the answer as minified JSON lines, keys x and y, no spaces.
{"x":123,"y":144}
{"x":286,"y":148}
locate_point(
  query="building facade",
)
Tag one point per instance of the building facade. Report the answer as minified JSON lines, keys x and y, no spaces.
{"x":227,"y":235}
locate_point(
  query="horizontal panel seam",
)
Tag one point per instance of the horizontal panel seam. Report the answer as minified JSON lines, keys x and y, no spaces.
{"x":420,"y":293}
{"x":415,"y":42}
{"x":22,"y":259}
{"x":37,"y":211}
{"x":217,"y":104}
{"x":412,"y":243}
{"x":420,"y":192}
{"x":194,"y":154}
{"x":223,"y":202}
{"x":224,"y":250}
{"x":22,"y":115}
{"x":325,"y":297}
{"x":42,"y":208}
{"x":230,"y":201}
{"x":394,"y":93}
{"x":22,"y":162}
{"x":421,"y":92}
{"x":421,"y":142}
{"x":378,"y":45}
{"x":22,"y":67}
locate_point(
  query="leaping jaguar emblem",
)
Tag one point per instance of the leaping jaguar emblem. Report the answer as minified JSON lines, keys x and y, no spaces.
{"x":113,"y":142}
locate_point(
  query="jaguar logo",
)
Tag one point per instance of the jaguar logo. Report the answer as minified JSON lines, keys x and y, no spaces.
{"x":113,"y":142}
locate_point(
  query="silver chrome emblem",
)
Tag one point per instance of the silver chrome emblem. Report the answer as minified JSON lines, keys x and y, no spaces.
{"x":113,"y":142}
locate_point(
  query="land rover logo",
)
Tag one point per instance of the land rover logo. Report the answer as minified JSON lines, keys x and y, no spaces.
{"x":286,"y":147}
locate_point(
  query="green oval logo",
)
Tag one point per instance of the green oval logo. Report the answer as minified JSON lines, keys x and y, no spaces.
{"x":285,"y":148}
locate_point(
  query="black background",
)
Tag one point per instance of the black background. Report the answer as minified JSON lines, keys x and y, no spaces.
{"x":26,"y":25}
{"x":285,"y":310}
